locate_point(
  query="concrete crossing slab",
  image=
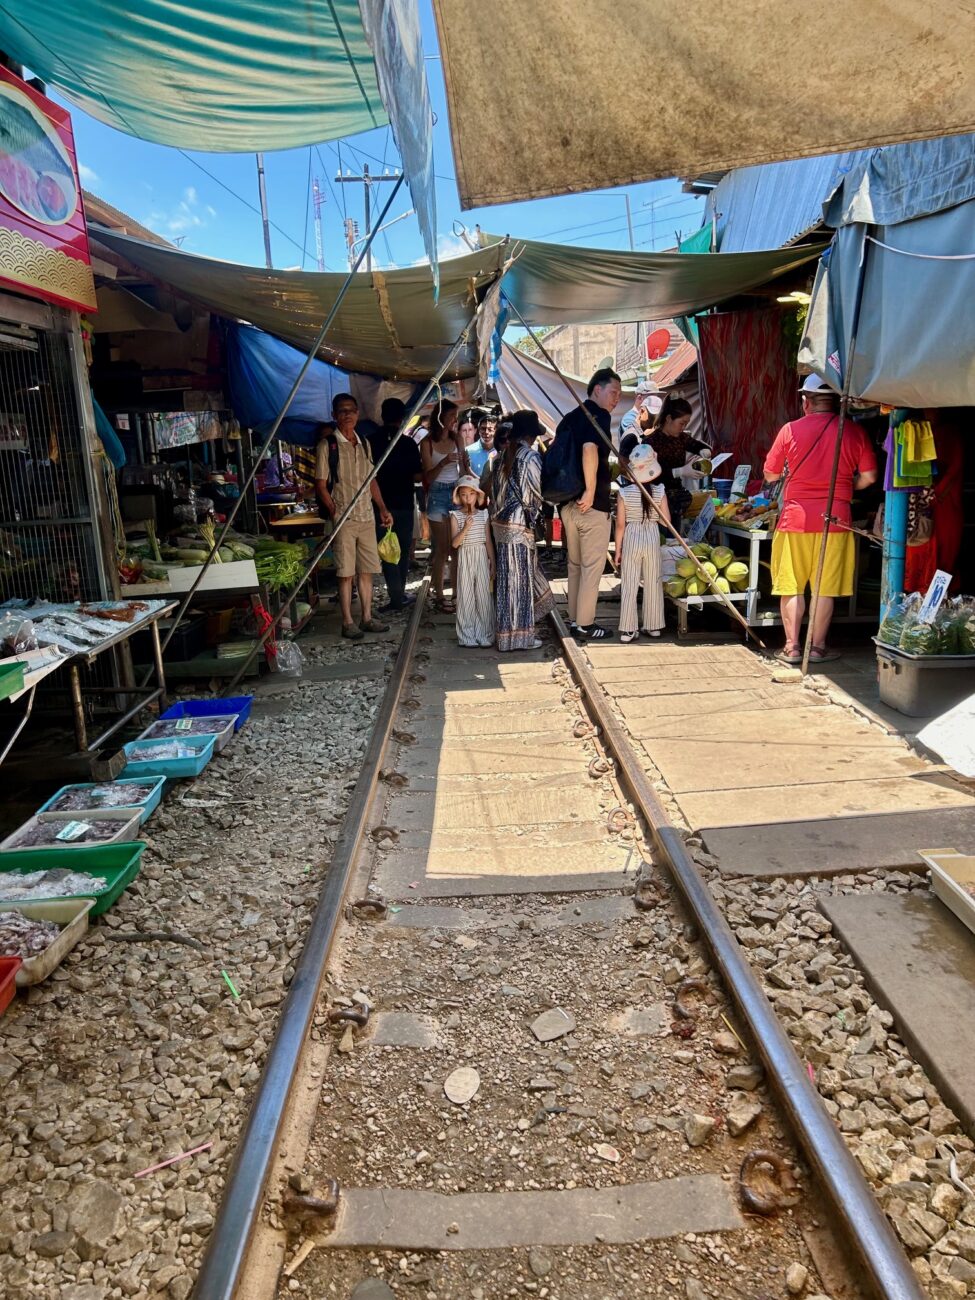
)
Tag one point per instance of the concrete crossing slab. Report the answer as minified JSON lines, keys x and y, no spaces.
{"x":500,"y":758}
{"x":768,"y":804}
{"x":399,"y":1219}
{"x":730,"y":700}
{"x":814,"y":725}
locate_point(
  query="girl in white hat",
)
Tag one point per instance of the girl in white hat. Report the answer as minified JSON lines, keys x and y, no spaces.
{"x":638,"y":545}
{"x":471,"y":540}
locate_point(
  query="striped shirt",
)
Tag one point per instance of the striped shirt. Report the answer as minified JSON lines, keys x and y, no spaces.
{"x":633,"y":500}
{"x":477,"y":536}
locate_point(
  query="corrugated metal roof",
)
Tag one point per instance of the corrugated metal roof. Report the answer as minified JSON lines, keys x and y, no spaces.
{"x":775,"y":204}
{"x":683,"y":357}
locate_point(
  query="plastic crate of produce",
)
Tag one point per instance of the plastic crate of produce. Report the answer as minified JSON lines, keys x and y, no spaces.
{"x":153,"y":758}
{"x":71,"y":914}
{"x":11,"y":679}
{"x":117,"y":864}
{"x":9,"y":966}
{"x":71,"y":800}
{"x":220,"y":728}
{"x":238,"y":704}
{"x":40,"y":833}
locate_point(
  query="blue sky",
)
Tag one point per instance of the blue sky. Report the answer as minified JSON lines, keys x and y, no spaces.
{"x":202,"y":199}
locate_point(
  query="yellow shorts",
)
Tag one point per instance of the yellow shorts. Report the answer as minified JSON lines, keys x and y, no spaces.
{"x":794,"y":560}
{"x":354,"y":549}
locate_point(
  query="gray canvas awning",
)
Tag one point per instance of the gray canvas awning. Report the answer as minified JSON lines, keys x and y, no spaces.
{"x":390,"y":326}
{"x":562,"y":97}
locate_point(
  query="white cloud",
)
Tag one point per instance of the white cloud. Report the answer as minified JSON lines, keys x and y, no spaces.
{"x":187,"y":215}
{"x":448,"y":246}
{"x":88,"y":174}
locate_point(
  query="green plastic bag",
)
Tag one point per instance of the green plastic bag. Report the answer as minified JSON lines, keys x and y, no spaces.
{"x":389,"y":548}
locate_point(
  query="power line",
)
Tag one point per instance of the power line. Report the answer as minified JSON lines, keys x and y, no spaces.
{"x":677,"y":198}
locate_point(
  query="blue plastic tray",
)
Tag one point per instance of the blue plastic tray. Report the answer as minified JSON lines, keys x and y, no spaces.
{"x":168,"y":767}
{"x":239,"y":704}
{"x":147,"y":806}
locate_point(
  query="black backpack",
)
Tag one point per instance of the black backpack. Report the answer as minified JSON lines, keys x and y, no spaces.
{"x":562,"y":479}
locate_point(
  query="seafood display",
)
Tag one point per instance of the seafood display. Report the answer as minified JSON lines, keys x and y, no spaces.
{"x":20,"y":936}
{"x":56,"y":882}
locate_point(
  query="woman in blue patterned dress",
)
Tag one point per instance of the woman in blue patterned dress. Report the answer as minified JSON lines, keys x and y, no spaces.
{"x":522,"y":594}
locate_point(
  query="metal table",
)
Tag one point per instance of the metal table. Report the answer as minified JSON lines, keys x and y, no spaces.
{"x":145,"y":694}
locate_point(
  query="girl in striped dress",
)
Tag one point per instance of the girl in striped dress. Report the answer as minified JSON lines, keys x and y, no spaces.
{"x":471,"y":540}
{"x":638,"y":545}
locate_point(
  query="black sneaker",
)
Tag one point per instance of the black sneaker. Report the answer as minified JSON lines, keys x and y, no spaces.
{"x":595,"y":632}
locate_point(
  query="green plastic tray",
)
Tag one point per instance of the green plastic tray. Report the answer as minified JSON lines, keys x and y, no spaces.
{"x":11,"y":679}
{"x":116,"y":863}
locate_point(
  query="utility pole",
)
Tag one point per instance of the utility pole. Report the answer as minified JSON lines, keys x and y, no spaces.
{"x":318,"y":199}
{"x":366,"y":181}
{"x":262,"y":191}
{"x":629,"y":221}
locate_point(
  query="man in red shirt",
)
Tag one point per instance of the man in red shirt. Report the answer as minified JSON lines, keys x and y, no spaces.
{"x":803,"y":450}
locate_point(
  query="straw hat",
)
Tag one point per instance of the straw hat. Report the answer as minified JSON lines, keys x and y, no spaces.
{"x":468,"y":481}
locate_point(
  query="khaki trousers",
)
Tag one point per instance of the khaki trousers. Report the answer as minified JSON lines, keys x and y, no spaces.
{"x":586,"y":541}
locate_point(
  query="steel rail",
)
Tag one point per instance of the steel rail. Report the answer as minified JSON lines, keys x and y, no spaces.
{"x":221,"y":1271}
{"x":856,"y":1208}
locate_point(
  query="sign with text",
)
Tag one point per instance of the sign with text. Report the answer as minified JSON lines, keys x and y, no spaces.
{"x":934,"y":595}
{"x":43,"y":236}
{"x":697,"y":528}
{"x":739,"y":484}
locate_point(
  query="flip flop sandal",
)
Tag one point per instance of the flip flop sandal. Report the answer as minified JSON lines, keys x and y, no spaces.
{"x":820,"y":655}
{"x":785,"y":658}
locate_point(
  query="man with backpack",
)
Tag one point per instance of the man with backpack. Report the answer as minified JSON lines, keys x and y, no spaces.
{"x":343,"y":463}
{"x":575,"y":476}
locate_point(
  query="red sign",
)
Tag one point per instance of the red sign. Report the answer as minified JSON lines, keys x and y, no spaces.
{"x":43,"y":236}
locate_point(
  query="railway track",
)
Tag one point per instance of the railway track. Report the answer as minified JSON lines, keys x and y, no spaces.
{"x":522,"y":1052}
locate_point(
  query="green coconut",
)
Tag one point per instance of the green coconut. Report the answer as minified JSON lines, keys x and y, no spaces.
{"x":721,"y":584}
{"x":675,"y":587}
{"x":695,"y":587}
{"x":741,"y":584}
{"x":710,"y":569}
{"x":701,"y":550}
{"x":686,"y":568}
{"x":722,"y":556}
{"x":735,"y":571}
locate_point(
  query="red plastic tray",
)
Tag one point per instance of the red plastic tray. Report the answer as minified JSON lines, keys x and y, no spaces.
{"x":9,"y":966}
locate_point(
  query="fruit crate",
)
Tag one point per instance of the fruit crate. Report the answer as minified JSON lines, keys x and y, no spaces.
{"x":117,"y":863}
{"x":71,"y":914}
{"x":238,"y":705}
{"x":145,"y":807}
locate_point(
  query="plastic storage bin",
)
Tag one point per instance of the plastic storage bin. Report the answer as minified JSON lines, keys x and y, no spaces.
{"x":11,"y":679}
{"x":125,"y":826}
{"x":238,"y":704}
{"x":922,"y":686}
{"x":9,"y":966}
{"x":220,"y":728}
{"x":118,"y":864}
{"x":142,"y":763}
{"x":952,"y":876}
{"x":145,"y":807}
{"x":71,"y":914}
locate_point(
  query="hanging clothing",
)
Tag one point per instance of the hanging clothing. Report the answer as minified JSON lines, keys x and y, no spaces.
{"x":522,"y":593}
{"x":475,"y":601}
{"x":641,"y":563}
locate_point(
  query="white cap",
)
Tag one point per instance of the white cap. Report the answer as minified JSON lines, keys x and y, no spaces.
{"x":644,"y":465}
{"x":813,"y":386}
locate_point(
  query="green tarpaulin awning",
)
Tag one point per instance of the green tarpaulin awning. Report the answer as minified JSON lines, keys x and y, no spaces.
{"x":239,"y":76}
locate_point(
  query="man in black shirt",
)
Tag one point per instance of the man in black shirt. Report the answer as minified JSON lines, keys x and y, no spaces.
{"x":586,"y":520}
{"x":397,"y":479}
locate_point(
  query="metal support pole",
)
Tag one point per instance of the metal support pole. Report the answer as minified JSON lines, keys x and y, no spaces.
{"x":895,"y":548}
{"x":262,"y":192}
{"x":363,"y":488}
{"x":844,"y":407}
{"x":278,"y":419}
{"x":624,"y":465}
{"x":157,"y":659}
{"x":78,"y":708}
